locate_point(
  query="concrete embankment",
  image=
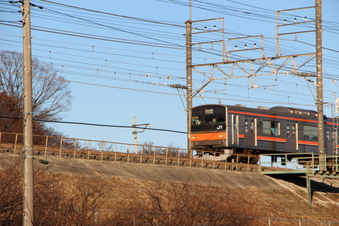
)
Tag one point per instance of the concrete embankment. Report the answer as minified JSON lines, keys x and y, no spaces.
{"x":282,"y":197}
{"x":176,"y":174}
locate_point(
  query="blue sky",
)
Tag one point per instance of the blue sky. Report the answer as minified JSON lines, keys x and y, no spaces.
{"x":121,"y":56}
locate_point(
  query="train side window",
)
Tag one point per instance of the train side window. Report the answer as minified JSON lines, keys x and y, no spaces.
{"x":266,"y":127}
{"x":333,"y":134}
{"x":271,"y":128}
{"x":293,"y":129}
{"x":235,"y":122}
{"x":252,"y":126}
{"x":310,"y":132}
{"x":275,"y":128}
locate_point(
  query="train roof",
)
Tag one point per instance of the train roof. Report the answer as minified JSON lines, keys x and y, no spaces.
{"x":294,"y":110}
{"x":277,"y":109}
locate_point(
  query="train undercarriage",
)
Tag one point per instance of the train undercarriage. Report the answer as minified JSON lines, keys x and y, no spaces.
{"x":235,"y":155}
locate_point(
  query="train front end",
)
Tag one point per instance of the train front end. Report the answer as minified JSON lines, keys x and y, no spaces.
{"x":209,"y":132}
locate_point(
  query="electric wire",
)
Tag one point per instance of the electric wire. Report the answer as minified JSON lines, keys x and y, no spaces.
{"x":272,"y":45}
{"x":99,"y":125}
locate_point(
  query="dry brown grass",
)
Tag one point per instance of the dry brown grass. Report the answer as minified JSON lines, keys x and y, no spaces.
{"x":72,"y":200}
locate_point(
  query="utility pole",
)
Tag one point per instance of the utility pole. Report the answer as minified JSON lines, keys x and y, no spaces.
{"x":27,"y":117}
{"x":135,"y":132}
{"x":320,"y":98}
{"x":189,"y":67}
{"x":189,"y":84}
{"x":190,"y":9}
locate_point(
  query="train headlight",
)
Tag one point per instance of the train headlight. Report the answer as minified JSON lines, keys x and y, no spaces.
{"x":221,"y":136}
{"x":194,"y":138}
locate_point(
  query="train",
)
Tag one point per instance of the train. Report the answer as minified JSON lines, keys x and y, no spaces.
{"x":223,"y":132}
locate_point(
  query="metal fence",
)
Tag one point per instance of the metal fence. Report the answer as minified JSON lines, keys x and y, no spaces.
{"x":292,"y":222}
{"x":300,"y":162}
{"x":114,"y":151}
{"x":130,"y":216}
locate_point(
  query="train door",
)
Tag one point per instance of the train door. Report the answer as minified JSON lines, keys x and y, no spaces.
{"x":291,"y":136}
{"x":330,"y":141}
{"x":250,"y":136}
{"x":235,"y":129}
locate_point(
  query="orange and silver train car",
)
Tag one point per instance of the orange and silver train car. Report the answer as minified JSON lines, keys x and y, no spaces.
{"x":219,"y":132}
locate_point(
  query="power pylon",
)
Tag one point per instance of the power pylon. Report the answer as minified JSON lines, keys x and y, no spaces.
{"x":261,"y":61}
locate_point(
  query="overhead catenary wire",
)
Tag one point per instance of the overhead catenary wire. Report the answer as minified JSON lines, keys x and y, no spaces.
{"x":257,"y":100}
{"x":219,"y":93}
{"x":95,"y":18}
{"x":304,"y":94}
{"x":111,"y":14}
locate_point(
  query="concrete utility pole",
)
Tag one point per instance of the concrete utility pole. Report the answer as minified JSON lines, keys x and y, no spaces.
{"x":319,"y":71}
{"x":189,"y":83}
{"x":135,"y":132}
{"x":27,"y":116}
{"x":190,"y":9}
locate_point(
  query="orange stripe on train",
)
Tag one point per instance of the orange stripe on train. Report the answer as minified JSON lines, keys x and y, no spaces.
{"x":222,"y":136}
{"x":208,"y":136}
{"x":272,"y":139}
{"x":308,"y":142}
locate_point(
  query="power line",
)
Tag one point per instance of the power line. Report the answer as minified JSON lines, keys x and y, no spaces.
{"x":112,"y":14}
{"x":96,"y":124}
{"x":99,"y":17}
{"x":96,"y":37}
{"x":118,"y":126}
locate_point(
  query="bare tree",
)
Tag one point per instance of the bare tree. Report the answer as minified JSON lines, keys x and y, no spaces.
{"x":11,"y":121}
{"x":51,"y":94}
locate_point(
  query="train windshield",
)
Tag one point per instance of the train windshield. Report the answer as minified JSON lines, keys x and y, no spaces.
{"x":208,"y":118}
{"x":215,"y":119}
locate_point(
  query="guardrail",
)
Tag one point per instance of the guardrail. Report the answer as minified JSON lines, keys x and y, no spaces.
{"x":300,"y":162}
{"x":114,"y":151}
{"x":62,"y":145}
{"x":307,"y":164}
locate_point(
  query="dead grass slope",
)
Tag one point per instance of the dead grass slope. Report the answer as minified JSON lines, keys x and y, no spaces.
{"x":102,"y":196}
